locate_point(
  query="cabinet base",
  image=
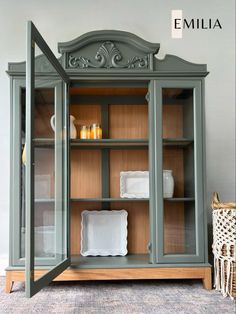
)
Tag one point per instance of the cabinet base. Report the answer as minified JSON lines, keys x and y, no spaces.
{"x":203,"y":273}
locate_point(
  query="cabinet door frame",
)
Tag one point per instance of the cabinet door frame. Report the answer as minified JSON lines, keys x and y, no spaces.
{"x":156,"y":90}
{"x":15,"y":173}
{"x":17,"y":85}
{"x":34,"y":37}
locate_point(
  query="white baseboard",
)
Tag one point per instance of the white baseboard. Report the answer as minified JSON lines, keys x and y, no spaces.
{"x":3,"y":264}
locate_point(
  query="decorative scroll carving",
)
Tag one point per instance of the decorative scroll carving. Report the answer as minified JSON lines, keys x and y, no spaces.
{"x":108,"y":56}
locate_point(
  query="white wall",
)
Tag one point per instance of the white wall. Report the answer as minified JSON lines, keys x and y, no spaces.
{"x":66,"y":19}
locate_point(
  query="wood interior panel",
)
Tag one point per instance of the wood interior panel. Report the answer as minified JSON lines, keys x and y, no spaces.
{"x":173,"y":159}
{"x":76,"y":209}
{"x":128,"y":121}
{"x":108,"y":91}
{"x":85,"y":173}
{"x":85,"y":115}
{"x":172,"y":121}
{"x":138,"y":224}
{"x":174,"y":233}
{"x":125,"y":160}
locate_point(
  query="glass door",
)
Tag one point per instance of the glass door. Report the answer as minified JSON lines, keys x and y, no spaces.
{"x":46,"y":166}
{"x":178,"y":171}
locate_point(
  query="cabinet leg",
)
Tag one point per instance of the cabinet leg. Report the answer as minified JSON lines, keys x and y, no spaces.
{"x":9,"y":282}
{"x":207,"y":280}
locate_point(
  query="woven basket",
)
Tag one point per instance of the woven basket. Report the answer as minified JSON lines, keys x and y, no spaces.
{"x":224,"y":230}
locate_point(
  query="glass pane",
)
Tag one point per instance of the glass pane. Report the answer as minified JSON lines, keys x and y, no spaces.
{"x":179,"y":227}
{"x":48,"y":147}
{"x":48,"y":150}
{"x":177,"y":113}
{"x":44,"y":202}
{"x":44,"y":176}
{"x":44,"y":111}
{"x":178,"y":171}
{"x":22,"y":191}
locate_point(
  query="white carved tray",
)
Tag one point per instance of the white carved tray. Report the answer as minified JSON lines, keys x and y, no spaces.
{"x":134,"y":184}
{"x":104,"y":232}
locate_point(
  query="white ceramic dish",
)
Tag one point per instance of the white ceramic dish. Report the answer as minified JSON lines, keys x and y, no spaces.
{"x":134,"y":184}
{"x":104,"y":233}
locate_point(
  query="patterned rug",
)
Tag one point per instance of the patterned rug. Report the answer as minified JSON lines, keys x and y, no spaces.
{"x":117,"y":297}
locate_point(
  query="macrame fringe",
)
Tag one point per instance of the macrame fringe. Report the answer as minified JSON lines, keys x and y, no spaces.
{"x":223,"y":276}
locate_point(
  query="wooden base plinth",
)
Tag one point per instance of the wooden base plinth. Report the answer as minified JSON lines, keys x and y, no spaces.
{"x":203,"y":273}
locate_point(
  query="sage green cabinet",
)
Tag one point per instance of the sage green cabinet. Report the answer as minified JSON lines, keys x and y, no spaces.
{"x":152,"y":116}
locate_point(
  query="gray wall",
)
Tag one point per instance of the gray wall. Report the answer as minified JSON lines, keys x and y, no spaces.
{"x":150,"y":19}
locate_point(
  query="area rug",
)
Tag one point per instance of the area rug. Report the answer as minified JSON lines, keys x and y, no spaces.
{"x":117,"y":297}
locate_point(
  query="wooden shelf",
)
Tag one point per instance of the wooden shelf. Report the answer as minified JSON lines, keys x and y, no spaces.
{"x":180,"y":199}
{"x":44,"y":142}
{"x":109,"y":143}
{"x":127,"y":143}
{"x":128,"y":261}
{"x":174,"y":199}
{"x":116,"y":143}
{"x":177,"y":142}
{"x":109,"y":199}
{"x":46,"y":200}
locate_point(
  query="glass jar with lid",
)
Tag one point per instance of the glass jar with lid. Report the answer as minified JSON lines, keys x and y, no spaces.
{"x":95,"y":131}
{"x":85,"y":132}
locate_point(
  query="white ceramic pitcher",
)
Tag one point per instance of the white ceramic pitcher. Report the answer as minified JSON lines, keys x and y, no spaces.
{"x":73,"y":132}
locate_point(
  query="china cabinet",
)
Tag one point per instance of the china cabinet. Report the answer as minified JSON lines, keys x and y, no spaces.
{"x":151,"y":115}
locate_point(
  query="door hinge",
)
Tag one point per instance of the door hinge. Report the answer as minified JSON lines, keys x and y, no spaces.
{"x":149,"y":247}
{"x":147,"y":96}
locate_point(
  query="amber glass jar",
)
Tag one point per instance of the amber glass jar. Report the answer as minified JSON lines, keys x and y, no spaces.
{"x":85,"y":132}
{"x":95,"y":131}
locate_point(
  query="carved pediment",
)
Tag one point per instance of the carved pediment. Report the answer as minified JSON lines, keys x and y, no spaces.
{"x":109,"y":50}
{"x":112,"y":52}
{"x":108,"y":56}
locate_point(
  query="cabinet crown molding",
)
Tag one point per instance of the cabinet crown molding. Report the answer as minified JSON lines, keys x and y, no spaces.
{"x":108,"y":49}
{"x":112,"y":52}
